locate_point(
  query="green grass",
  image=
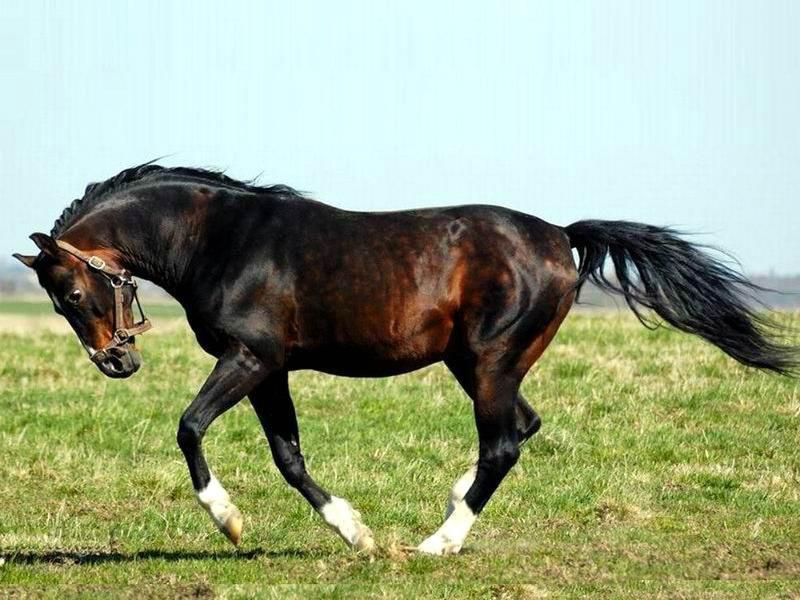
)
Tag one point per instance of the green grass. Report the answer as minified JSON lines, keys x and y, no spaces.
{"x":662,"y":469}
{"x":34,"y":308}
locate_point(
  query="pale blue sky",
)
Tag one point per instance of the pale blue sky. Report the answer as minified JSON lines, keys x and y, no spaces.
{"x":672,"y":112}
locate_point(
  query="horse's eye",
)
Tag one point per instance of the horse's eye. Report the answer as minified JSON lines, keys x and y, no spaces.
{"x":74,"y":296}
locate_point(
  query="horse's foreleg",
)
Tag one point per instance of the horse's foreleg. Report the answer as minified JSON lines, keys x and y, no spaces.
{"x":273,"y":405}
{"x":236,"y":373}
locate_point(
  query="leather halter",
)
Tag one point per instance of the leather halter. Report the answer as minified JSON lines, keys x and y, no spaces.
{"x":118,"y":278}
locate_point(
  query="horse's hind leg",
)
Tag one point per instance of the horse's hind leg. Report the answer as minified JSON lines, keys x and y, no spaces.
{"x":495,"y":399}
{"x":505,"y":421}
{"x":273,"y":405}
{"x":528,"y":423}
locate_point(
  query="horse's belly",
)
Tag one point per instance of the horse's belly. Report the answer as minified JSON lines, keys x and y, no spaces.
{"x":353,"y":363}
{"x":370,"y":347}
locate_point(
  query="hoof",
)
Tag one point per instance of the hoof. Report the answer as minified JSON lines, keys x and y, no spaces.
{"x":222,"y":511}
{"x":346,"y":521}
{"x":365,"y":542}
{"x":436,"y":545}
{"x":232,"y":528}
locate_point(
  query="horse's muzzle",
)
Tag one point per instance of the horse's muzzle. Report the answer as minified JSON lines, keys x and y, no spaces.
{"x":120,"y":362}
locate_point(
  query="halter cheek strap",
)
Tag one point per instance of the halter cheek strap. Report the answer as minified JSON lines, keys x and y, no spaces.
{"x":118,"y":278}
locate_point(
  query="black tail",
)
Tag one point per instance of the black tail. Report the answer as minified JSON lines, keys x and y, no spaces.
{"x":685,"y":286}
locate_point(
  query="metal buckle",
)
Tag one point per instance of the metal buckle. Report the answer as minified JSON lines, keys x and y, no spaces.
{"x":99,"y":356}
{"x":121,"y":335}
{"x":96,"y":263}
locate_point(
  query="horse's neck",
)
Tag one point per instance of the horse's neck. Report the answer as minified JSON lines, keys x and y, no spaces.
{"x":151,"y":244}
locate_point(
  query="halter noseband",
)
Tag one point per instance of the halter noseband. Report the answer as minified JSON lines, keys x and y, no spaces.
{"x":118,"y":279}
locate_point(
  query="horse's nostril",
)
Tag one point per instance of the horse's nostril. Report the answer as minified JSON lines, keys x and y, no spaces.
{"x":114,"y":364}
{"x":120,"y":363}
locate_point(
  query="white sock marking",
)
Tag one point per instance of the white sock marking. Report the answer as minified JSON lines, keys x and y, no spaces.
{"x":216,"y":501}
{"x":451,"y":535}
{"x":460,"y":489}
{"x":346,"y":521}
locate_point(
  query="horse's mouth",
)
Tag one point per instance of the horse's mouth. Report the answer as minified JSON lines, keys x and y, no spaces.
{"x":121,"y":363}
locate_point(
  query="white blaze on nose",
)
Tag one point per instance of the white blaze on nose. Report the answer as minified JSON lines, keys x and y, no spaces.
{"x":346,"y":521}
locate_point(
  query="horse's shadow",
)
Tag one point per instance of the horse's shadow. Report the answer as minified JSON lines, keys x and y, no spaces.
{"x":78,"y":557}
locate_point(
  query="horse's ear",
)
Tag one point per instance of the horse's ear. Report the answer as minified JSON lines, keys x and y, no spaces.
{"x":25,"y":260}
{"x":45,"y":243}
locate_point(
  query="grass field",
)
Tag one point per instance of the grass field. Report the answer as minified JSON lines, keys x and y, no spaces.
{"x":662,"y":469}
{"x":164,"y":310}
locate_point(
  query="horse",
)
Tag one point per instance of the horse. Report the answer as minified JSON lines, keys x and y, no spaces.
{"x":272,"y":281}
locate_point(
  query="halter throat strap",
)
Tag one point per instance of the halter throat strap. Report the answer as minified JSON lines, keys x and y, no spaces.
{"x":118,"y":278}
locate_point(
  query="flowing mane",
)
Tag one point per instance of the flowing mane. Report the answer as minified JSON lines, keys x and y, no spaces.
{"x":96,"y":193}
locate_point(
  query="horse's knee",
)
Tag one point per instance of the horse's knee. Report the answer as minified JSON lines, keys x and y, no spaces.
{"x":189,"y":434}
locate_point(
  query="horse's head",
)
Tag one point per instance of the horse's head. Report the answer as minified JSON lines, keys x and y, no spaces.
{"x":95,"y":297}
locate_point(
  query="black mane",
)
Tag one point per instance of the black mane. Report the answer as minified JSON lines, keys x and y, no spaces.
{"x":147,"y":172}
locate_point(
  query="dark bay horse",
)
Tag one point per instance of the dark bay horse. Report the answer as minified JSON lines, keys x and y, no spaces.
{"x":272,"y":282}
